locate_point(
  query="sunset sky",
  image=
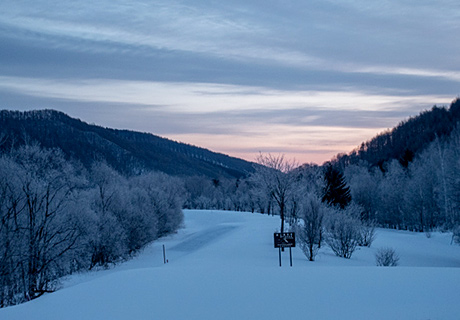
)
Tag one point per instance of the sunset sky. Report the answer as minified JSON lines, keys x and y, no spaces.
{"x":308,"y":79}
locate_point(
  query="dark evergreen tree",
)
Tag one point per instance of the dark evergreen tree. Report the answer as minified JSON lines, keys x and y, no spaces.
{"x":406,"y":158}
{"x":336,"y":192}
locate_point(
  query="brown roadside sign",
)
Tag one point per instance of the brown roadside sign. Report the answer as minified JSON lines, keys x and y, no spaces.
{"x":284,"y":240}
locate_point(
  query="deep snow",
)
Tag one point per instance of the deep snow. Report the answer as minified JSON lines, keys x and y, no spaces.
{"x":222,"y":265}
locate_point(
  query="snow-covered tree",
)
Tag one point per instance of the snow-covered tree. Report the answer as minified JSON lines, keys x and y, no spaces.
{"x":108,"y":243}
{"x":310,"y":224}
{"x":391,"y":204}
{"x":166,"y":196}
{"x":452,"y":179}
{"x":11,"y":239}
{"x":421,"y":195}
{"x":46,"y":181}
{"x":343,"y":231}
{"x":364,"y":186}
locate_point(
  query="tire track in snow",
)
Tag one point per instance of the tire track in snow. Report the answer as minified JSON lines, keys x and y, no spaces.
{"x":203,"y":238}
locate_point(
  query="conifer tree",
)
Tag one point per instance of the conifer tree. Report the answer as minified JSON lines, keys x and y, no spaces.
{"x":336,"y":192}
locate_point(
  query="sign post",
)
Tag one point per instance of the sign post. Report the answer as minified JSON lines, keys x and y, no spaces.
{"x":284,"y":240}
{"x":279,"y":249}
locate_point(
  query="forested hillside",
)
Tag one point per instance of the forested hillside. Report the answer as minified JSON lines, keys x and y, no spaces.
{"x":406,"y":140}
{"x":409,"y":177}
{"x":126,"y":151}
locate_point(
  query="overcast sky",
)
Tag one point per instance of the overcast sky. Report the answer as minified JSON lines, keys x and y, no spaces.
{"x":307,"y":79}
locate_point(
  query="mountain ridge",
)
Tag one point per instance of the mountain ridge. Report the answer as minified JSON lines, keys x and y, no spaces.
{"x":129,"y":152}
{"x":406,"y":140}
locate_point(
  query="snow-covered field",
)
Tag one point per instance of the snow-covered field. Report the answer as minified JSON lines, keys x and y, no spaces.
{"x":222,"y":265}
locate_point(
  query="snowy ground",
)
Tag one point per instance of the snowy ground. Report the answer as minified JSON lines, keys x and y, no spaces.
{"x":223,"y":266}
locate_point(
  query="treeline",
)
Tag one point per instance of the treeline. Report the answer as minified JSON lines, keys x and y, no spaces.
{"x":407,"y":178}
{"x":416,"y":188}
{"x":326,"y":205}
{"x":314,"y":201}
{"x":56,"y":218}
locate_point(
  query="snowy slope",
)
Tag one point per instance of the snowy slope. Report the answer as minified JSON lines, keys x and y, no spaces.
{"x":223,"y":266}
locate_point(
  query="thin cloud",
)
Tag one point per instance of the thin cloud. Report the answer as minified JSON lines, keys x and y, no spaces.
{"x":204,"y":98}
{"x":164,"y":26}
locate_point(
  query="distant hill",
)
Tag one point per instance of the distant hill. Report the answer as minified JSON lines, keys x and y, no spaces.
{"x":129,"y":152}
{"x":406,"y":140}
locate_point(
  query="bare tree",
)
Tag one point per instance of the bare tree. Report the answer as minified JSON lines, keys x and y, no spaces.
{"x":275,"y":177}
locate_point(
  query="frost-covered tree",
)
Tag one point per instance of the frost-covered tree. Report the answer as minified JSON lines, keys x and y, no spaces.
{"x":43,"y":224}
{"x":136,"y":216}
{"x":166,"y":196}
{"x":262,"y":201}
{"x":11,"y":239}
{"x":203,"y":193}
{"x":391,"y":203}
{"x":451,"y":205}
{"x":364,"y":186}
{"x":310,"y":224}
{"x":421,"y":195}
{"x":108,"y":243}
{"x":343,"y":231}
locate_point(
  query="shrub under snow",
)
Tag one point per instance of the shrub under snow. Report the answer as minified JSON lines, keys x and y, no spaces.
{"x":386,"y":257}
